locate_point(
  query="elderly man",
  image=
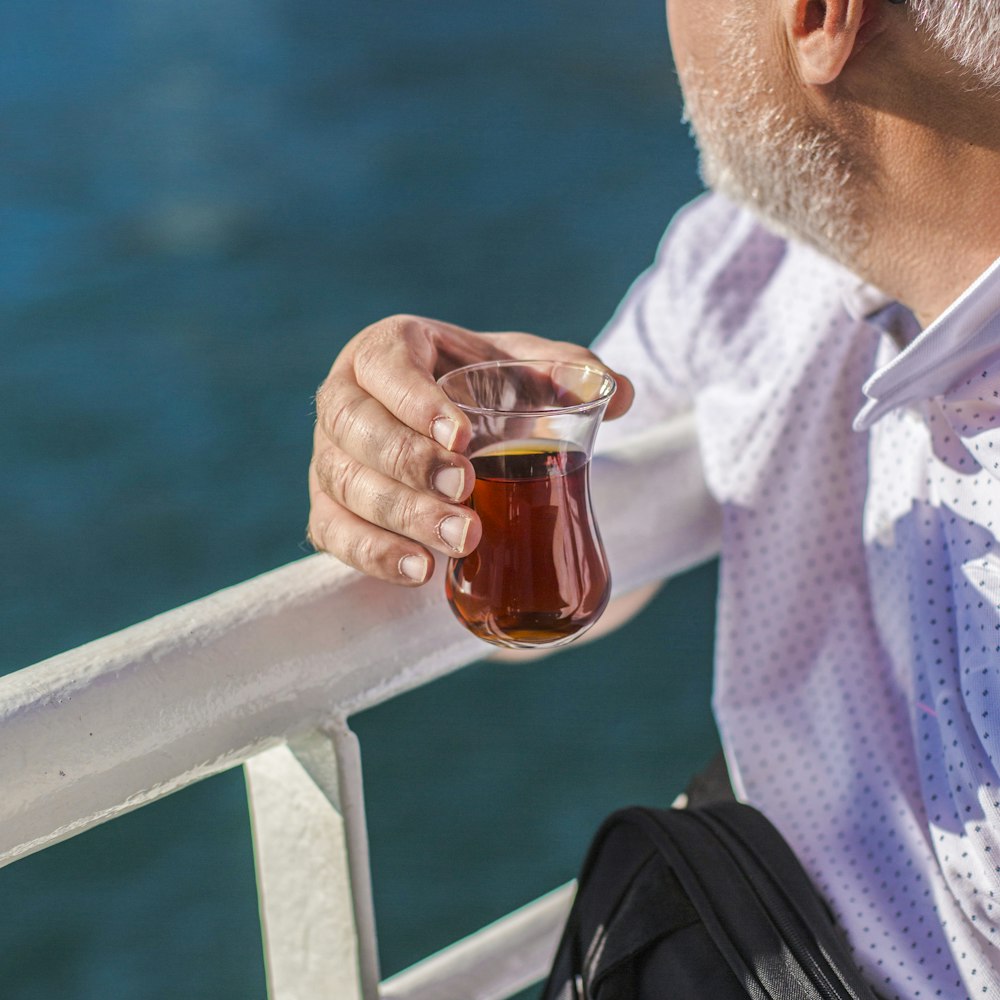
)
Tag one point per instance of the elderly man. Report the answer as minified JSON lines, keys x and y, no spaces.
{"x":831,"y":316}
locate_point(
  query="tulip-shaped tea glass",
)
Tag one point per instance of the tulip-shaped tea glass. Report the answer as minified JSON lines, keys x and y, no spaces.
{"x":539,"y":576}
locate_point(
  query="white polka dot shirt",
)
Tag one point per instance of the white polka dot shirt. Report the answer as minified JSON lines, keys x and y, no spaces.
{"x":858,"y":635}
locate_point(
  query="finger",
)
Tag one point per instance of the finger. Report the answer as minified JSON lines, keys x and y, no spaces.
{"x":621,"y":401}
{"x":528,"y":347}
{"x":395,"y":361}
{"x":356,"y":423}
{"x":398,"y":360}
{"x":450,"y":529}
{"x":366,"y":547}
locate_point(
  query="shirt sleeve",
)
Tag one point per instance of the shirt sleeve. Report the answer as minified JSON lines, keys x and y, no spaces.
{"x":652,"y":502}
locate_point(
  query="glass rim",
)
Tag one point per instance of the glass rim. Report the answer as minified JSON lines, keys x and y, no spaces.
{"x":608,"y":387}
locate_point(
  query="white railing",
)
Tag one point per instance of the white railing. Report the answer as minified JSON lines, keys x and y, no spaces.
{"x":266,"y":674}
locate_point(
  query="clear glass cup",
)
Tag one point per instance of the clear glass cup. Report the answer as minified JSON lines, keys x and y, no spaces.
{"x":539,"y":576}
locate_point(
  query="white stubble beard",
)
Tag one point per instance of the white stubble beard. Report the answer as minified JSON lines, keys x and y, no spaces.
{"x":802,"y":178}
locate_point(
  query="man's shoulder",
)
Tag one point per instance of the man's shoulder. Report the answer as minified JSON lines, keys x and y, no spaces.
{"x":724,"y":289}
{"x":711,"y":212}
{"x":718,"y":254}
{"x":712,"y":236}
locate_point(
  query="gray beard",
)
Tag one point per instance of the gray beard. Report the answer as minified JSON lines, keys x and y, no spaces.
{"x":799,"y":176}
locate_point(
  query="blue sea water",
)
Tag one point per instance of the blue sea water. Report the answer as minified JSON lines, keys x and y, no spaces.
{"x":199,"y":203}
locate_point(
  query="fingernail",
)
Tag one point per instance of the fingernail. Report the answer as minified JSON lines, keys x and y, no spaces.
{"x":450,"y":481}
{"x":452,"y":531}
{"x":444,"y":430}
{"x":414,"y":568}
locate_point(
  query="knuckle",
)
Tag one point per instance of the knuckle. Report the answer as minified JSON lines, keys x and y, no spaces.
{"x":395,"y":508}
{"x":328,"y":467}
{"x":407,"y":513}
{"x":370,"y":351}
{"x":392,"y":363}
{"x":397,"y":327}
{"x":316,"y":535}
{"x":326,"y":393}
{"x":383,"y":504}
{"x":411,"y":399}
{"x":344,"y":418}
{"x":348,"y":482}
{"x":401,"y":457}
{"x":366,"y":356}
{"x":359,"y":551}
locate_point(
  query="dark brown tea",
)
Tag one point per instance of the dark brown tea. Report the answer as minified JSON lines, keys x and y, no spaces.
{"x":539,"y":575}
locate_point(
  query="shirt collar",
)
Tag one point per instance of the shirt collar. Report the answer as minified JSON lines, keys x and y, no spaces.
{"x":956,"y":342}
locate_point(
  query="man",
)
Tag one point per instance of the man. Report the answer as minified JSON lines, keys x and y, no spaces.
{"x":854,"y":238}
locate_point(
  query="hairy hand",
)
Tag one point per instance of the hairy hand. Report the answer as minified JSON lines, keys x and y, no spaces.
{"x":388,"y":477}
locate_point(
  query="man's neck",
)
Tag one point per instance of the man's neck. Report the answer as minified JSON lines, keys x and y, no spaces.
{"x":941,"y":229}
{"x":936,"y":206}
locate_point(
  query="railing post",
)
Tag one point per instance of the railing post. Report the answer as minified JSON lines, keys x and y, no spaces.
{"x":310,"y":846}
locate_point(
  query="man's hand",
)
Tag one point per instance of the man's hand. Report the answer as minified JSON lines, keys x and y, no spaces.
{"x":388,"y":477}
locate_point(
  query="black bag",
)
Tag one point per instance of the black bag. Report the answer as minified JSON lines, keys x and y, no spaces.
{"x":708,"y":903}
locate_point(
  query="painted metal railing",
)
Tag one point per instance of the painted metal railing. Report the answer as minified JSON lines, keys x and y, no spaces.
{"x":267,"y":674}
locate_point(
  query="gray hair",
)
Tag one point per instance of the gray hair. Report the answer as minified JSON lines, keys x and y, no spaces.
{"x":968,"y":31}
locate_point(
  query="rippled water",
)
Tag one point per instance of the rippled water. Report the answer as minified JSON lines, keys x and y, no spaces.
{"x":199,"y":202}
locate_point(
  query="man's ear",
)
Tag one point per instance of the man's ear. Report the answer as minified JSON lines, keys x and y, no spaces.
{"x":822,"y":35}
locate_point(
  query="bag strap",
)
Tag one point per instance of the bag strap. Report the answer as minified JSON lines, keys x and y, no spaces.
{"x":755,"y":900}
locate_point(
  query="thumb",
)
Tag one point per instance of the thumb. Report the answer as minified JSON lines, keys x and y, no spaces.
{"x":621,"y":401}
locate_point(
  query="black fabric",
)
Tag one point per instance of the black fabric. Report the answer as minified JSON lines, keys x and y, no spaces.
{"x":706,"y":902}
